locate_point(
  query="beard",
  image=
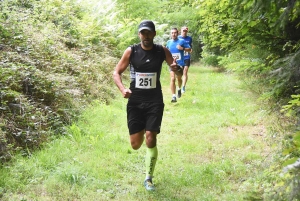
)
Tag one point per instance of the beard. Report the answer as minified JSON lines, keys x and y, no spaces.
{"x":147,"y":43}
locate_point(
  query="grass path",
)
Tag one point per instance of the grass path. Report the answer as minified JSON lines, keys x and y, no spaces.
{"x":213,"y":146}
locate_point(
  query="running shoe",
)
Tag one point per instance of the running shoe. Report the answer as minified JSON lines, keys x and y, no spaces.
{"x":179,"y":93}
{"x":183,"y":90}
{"x":149,"y":185}
{"x":174,"y":100}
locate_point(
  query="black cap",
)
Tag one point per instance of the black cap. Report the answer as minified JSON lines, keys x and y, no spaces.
{"x":147,"y":24}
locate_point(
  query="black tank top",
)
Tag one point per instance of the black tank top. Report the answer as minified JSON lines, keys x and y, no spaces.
{"x":145,"y":70}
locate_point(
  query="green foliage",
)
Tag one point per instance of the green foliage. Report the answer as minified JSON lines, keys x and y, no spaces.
{"x":293,"y":106}
{"x":4,"y":33}
{"x":131,"y":9}
{"x":54,"y":60}
{"x":286,"y":76}
{"x":212,"y":60}
{"x":165,"y":14}
{"x":257,"y":38}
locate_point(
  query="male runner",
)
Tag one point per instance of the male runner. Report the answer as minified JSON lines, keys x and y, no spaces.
{"x":177,"y":47}
{"x":145,"y":99}
{"x":187,"y":56}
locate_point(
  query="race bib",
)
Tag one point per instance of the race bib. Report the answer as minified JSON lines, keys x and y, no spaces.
{"x":176,"y":56}
{"x":145,"y":80}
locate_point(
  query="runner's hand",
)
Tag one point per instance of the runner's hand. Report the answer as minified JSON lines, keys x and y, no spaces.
{"x":173,"y":66}
{"x":179,"y":47}
{"x":126,"y":93}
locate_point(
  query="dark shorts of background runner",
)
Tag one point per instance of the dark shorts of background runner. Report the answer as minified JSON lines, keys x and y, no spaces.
{"x":187,"y":62}
{"x":145,"y":115}
{"x":179,"y":72}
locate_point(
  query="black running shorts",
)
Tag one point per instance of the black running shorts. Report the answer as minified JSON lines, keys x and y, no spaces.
{"x":144,"y":115}
{"x":179,"y":71}
{"x":187,"y":62}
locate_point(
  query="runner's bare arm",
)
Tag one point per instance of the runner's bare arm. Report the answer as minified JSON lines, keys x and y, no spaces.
{"x":120,"y":68}
{"x":186,"y":49}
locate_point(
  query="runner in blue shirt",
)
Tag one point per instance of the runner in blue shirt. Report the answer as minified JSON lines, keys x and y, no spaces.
{"x":177,"y":48}
{"x":187,"y":55}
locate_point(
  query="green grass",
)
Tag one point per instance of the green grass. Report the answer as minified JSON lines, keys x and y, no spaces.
{"x":212,"y":142}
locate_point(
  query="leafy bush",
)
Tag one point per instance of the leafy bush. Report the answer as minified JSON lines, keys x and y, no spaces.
{"x":51,"y":67}
{"x":212,"y":60}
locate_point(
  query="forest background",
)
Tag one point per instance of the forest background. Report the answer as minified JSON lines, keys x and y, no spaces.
{"x":57,"y":56}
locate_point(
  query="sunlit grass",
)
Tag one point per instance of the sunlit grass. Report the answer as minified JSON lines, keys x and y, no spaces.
{"x":212,"y":140}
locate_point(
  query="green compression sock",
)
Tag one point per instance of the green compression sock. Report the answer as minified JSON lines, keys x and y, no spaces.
{"x":151,"y":157}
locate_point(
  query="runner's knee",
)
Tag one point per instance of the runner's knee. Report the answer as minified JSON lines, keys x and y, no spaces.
{"x":150,"y":139}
